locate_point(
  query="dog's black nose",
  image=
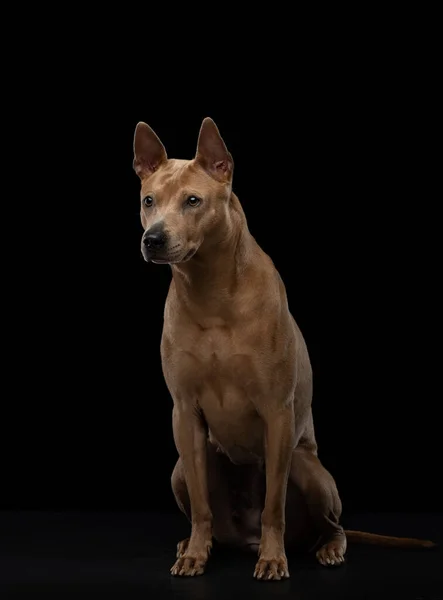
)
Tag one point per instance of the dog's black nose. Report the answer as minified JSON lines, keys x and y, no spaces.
{"x":154,"y":240}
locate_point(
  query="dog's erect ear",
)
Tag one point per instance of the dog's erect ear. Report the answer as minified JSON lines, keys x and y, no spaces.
{"x":212,"y":153}
{"x":149,"y":152}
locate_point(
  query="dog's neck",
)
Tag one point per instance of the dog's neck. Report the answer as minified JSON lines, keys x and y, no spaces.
{"x":212,"y":277}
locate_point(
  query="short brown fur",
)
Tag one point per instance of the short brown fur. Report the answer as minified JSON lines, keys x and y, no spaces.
{"x":238,"y":371}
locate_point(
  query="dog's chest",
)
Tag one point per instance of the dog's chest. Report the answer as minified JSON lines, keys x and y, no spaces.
{"x":223,"y":344}
{"x":215,"y":358}
{"x":218,"y":372}
{"x":227,"y":396}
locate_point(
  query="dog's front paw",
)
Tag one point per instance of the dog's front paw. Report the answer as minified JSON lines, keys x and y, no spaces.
{"x":271,"y":568}
{"x":190,"y":563}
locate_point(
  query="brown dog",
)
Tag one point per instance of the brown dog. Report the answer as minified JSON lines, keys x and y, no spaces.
{"x":238,"y":370}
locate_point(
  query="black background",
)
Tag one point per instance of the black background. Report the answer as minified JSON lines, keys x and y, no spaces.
{"x":328,"y":172}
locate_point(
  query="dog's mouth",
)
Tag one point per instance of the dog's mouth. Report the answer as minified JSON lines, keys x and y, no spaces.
{"x":174,"y":258}
{"x":189,"y":254}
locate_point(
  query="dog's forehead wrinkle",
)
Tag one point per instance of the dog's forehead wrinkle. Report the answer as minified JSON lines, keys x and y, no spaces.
{"x":177,"y":177}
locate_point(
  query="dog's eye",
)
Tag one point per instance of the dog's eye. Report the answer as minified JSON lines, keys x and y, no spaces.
{"x":148,"y":201}
{"x":193,"y":201}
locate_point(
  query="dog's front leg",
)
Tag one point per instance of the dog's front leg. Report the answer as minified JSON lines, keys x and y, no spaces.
{"x":190,"y":439}
{"x":279,"y":444}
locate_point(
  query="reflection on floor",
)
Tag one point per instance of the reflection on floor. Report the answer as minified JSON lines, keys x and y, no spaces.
{"x":128,"y":555}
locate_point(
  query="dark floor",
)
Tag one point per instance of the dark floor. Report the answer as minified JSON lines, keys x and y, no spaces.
{"x":128,"y":555}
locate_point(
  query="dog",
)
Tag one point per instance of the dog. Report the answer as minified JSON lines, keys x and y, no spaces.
{"x":238,"y":370}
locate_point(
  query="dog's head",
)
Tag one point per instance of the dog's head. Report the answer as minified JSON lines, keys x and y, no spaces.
{"x":184,"y":203}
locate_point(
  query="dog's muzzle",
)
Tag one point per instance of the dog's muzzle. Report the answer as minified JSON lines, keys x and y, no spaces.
{"x":154,"y":242}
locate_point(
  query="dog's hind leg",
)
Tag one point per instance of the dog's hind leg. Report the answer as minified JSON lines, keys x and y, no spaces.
{"x":181,"y":495}
{"x":323,"y":504}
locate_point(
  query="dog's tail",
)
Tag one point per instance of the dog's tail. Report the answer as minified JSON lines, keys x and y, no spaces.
{"x":362,"y":537}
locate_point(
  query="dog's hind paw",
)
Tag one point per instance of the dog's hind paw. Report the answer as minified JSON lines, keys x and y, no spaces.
{"x":181,"y":547}
{"x":332,"y":553}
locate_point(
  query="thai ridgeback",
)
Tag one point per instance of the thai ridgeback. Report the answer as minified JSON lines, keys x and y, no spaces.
{"x":238,"y":370}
